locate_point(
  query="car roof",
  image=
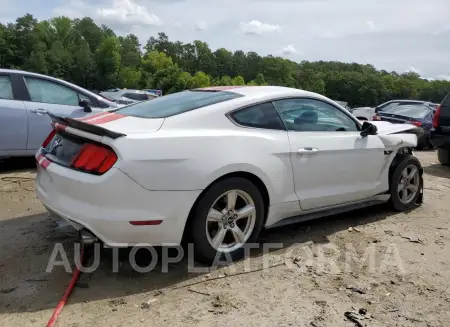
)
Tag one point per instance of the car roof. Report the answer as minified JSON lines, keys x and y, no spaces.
{"x":258,"y":91}
{"x":50,"y":78}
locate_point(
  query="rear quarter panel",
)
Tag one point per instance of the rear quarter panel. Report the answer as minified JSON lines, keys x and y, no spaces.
{"x":189,"y":159}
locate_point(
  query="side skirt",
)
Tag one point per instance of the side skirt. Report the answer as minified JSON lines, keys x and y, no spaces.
{"x":382,"y":198}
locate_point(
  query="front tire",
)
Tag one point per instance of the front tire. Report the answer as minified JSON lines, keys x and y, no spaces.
{"x":406,"y":183}
{"x":443,"y":156}
{"x":229,"y":215}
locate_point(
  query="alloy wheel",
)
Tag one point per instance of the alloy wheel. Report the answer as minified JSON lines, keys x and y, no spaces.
{"x":230,"y":221}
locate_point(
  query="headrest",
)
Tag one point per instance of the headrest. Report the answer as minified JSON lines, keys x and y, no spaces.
{"x":309,"y":116}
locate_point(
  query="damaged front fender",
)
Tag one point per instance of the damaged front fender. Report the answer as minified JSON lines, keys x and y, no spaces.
{"x":396,"y":136}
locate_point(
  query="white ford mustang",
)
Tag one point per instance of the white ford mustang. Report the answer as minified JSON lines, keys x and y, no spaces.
{"x":216,"y":165}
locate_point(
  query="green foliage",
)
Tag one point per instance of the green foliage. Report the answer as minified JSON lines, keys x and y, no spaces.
{"x":94,"y":57}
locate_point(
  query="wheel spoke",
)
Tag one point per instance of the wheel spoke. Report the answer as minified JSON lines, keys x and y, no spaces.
{"x":238,"y":234}
{"x":214,"y":216}
{"x":218,"y":238}
{"x":245,"y":211}
{"x":405,"y":195}
{"x":412,"y":173}
{"x":405,"y":175}
{"x":231,"y":199}
{"x":400,"y":187}
{"x":413,"y":188}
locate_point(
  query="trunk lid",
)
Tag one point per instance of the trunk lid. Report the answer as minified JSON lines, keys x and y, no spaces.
{"x":110,"y":124}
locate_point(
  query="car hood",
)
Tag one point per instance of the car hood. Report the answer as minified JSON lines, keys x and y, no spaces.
{"x":385,"y":128}
{"x":397,"y":135}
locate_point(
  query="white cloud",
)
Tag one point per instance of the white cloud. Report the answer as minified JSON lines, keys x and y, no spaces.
{"x":413,"y":69}
{"x":255,"y":27}
{"x":441,"y":30}
{"x":200,"y":26}
{"x":128,"y":12}
{"x":371,"y":25}
{"x":115,"y":12}
{"x":289,"y":50}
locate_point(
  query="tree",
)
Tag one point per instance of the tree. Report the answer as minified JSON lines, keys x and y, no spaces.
{"x":107,"y":59}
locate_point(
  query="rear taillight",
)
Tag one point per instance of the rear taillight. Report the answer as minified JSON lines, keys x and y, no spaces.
{"x":94,"y":159}
{"x":376,"y":117}
{"x":415,"y":123}
{"x":49,"y":138}
{"x":436,"y":116}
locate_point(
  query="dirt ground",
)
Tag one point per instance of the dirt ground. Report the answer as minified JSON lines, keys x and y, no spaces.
{"x":379,"y":267}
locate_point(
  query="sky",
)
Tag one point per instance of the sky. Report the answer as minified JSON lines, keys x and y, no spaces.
{"x":400,"y":35}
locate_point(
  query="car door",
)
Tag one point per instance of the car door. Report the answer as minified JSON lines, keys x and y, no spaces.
{"x":332,"y":163}
{"x":47,"y":96}
{"x":13,"y":117}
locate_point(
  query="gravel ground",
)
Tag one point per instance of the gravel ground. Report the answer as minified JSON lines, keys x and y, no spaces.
{"x":372,"y":266}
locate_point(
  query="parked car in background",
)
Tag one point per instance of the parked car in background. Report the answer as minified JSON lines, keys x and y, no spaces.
{"x":154,"y":91}
{"x":440,"y":133}
{"x":25,"y":99}
{"x":363,"y":113}
{"x":367,"y":113}
{"x":127,"y":96}
{"x":215,"y":165}
{"x":420,"y":115}
{"x":344,"y":105}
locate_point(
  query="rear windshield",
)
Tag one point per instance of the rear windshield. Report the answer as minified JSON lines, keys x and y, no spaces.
{"x":176,"y":103}
{"x":415,"y":111}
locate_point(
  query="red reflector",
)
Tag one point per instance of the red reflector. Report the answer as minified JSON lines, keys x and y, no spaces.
{"x":436,"y":117}
{"x":145,"y":222}
{"x":416,"y":123}
{"x":94,"y":158}
{"x":49,"y":138}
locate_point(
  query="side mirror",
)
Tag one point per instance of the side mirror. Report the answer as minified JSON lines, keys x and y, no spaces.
{"x":86,"y":104}
{"x":368,"y":129}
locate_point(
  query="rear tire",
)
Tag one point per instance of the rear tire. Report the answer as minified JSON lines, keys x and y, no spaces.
{"x":215,"y":215}
{"x":443,"y":156}
{"x":406,"y":183}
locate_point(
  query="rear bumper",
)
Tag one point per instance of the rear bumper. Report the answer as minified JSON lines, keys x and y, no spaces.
{"x":106,"y":204}
{"x":440,"y":140}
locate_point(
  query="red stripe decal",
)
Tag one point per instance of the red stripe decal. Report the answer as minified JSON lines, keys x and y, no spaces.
{"x":105,"y":119}
{"x":45,"y":163}
{"x":92,"y":116}
{"x":60,"y":127}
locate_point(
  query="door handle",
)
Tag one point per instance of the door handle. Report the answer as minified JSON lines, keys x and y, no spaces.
{"x":39,"y":111}
{"x":307,"y":151}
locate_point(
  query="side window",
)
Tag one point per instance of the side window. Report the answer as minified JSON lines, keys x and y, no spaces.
{"x":308,"y":115}
{"x":263,"y":115}
{"x":6,"y":88}
{"x":50,"y":92}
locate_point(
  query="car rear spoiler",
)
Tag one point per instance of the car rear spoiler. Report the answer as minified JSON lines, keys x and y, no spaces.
{"x":85,"y":127}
